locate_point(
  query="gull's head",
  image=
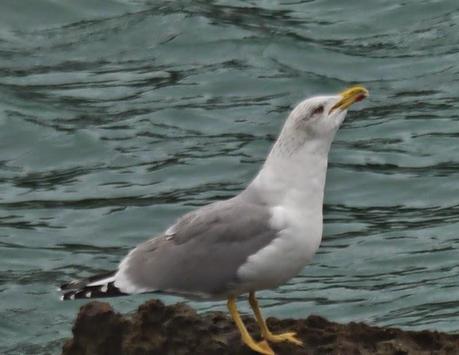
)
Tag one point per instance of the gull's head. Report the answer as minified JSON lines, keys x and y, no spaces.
{"x":321,"y":116}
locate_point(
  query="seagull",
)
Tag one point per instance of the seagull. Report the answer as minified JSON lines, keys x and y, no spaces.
{"x":257,"y":240}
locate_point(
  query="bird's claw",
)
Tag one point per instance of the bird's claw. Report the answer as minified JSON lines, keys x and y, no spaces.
{"x":262,"y":347}
{"x":287,"y":336}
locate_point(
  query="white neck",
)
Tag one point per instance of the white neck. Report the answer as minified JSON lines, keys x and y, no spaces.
{"x":294,"y":175}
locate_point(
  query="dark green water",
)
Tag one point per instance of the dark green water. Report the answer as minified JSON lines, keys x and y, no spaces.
{"x":117,"y":118}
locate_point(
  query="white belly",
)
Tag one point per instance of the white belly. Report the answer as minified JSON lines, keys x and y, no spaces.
{"x":297,"y":242}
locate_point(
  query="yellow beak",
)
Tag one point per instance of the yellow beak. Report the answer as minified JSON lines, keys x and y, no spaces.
{"x":349,"y":96}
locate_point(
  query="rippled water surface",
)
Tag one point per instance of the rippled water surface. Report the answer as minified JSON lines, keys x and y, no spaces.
{"x":117,"y":118}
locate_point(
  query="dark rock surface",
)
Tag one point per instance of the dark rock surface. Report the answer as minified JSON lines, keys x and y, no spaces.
{"x":179,"y":330}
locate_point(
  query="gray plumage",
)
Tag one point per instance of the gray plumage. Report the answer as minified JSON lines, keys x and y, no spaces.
{"x":203,"y":251}
{"x":256,"y":240}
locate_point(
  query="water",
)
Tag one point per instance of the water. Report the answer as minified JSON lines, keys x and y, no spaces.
{"x":115,"y":119}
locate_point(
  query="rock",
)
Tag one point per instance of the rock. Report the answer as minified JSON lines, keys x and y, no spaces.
{"x":156,"y":329}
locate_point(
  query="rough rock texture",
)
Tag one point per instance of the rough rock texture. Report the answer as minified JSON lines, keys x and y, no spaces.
{"x":179,"y":330}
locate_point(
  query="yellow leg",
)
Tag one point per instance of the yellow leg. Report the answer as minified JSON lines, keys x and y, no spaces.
{"x":265,"y":332}
{"x":261,"y":347}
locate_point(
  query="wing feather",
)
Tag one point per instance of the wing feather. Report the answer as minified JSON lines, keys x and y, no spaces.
{"x":201,"y":253}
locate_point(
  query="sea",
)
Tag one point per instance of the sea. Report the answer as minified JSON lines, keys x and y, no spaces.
{"x":119,"y":116}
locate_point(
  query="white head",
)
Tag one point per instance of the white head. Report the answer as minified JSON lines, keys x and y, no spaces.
{"x":316,"y":120}
{"x":295,"y":170}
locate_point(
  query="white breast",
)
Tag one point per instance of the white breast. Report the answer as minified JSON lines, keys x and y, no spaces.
{"x":297,"y":216}
{"x":297,"y":241}
{"x":293,"y":186}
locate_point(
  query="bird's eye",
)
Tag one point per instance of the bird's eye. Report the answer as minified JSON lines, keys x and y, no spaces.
{"x":318,"y":110}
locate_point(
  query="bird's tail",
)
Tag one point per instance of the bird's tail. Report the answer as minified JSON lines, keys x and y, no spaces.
{"x":98,"y":286}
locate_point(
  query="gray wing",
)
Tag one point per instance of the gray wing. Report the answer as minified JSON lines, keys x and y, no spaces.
{"x":201,"y":253}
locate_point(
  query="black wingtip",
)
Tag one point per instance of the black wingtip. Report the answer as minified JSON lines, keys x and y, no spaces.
{"x":79,"y":284}
{"x":100,"y":291}
{"x":98,"y":286}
